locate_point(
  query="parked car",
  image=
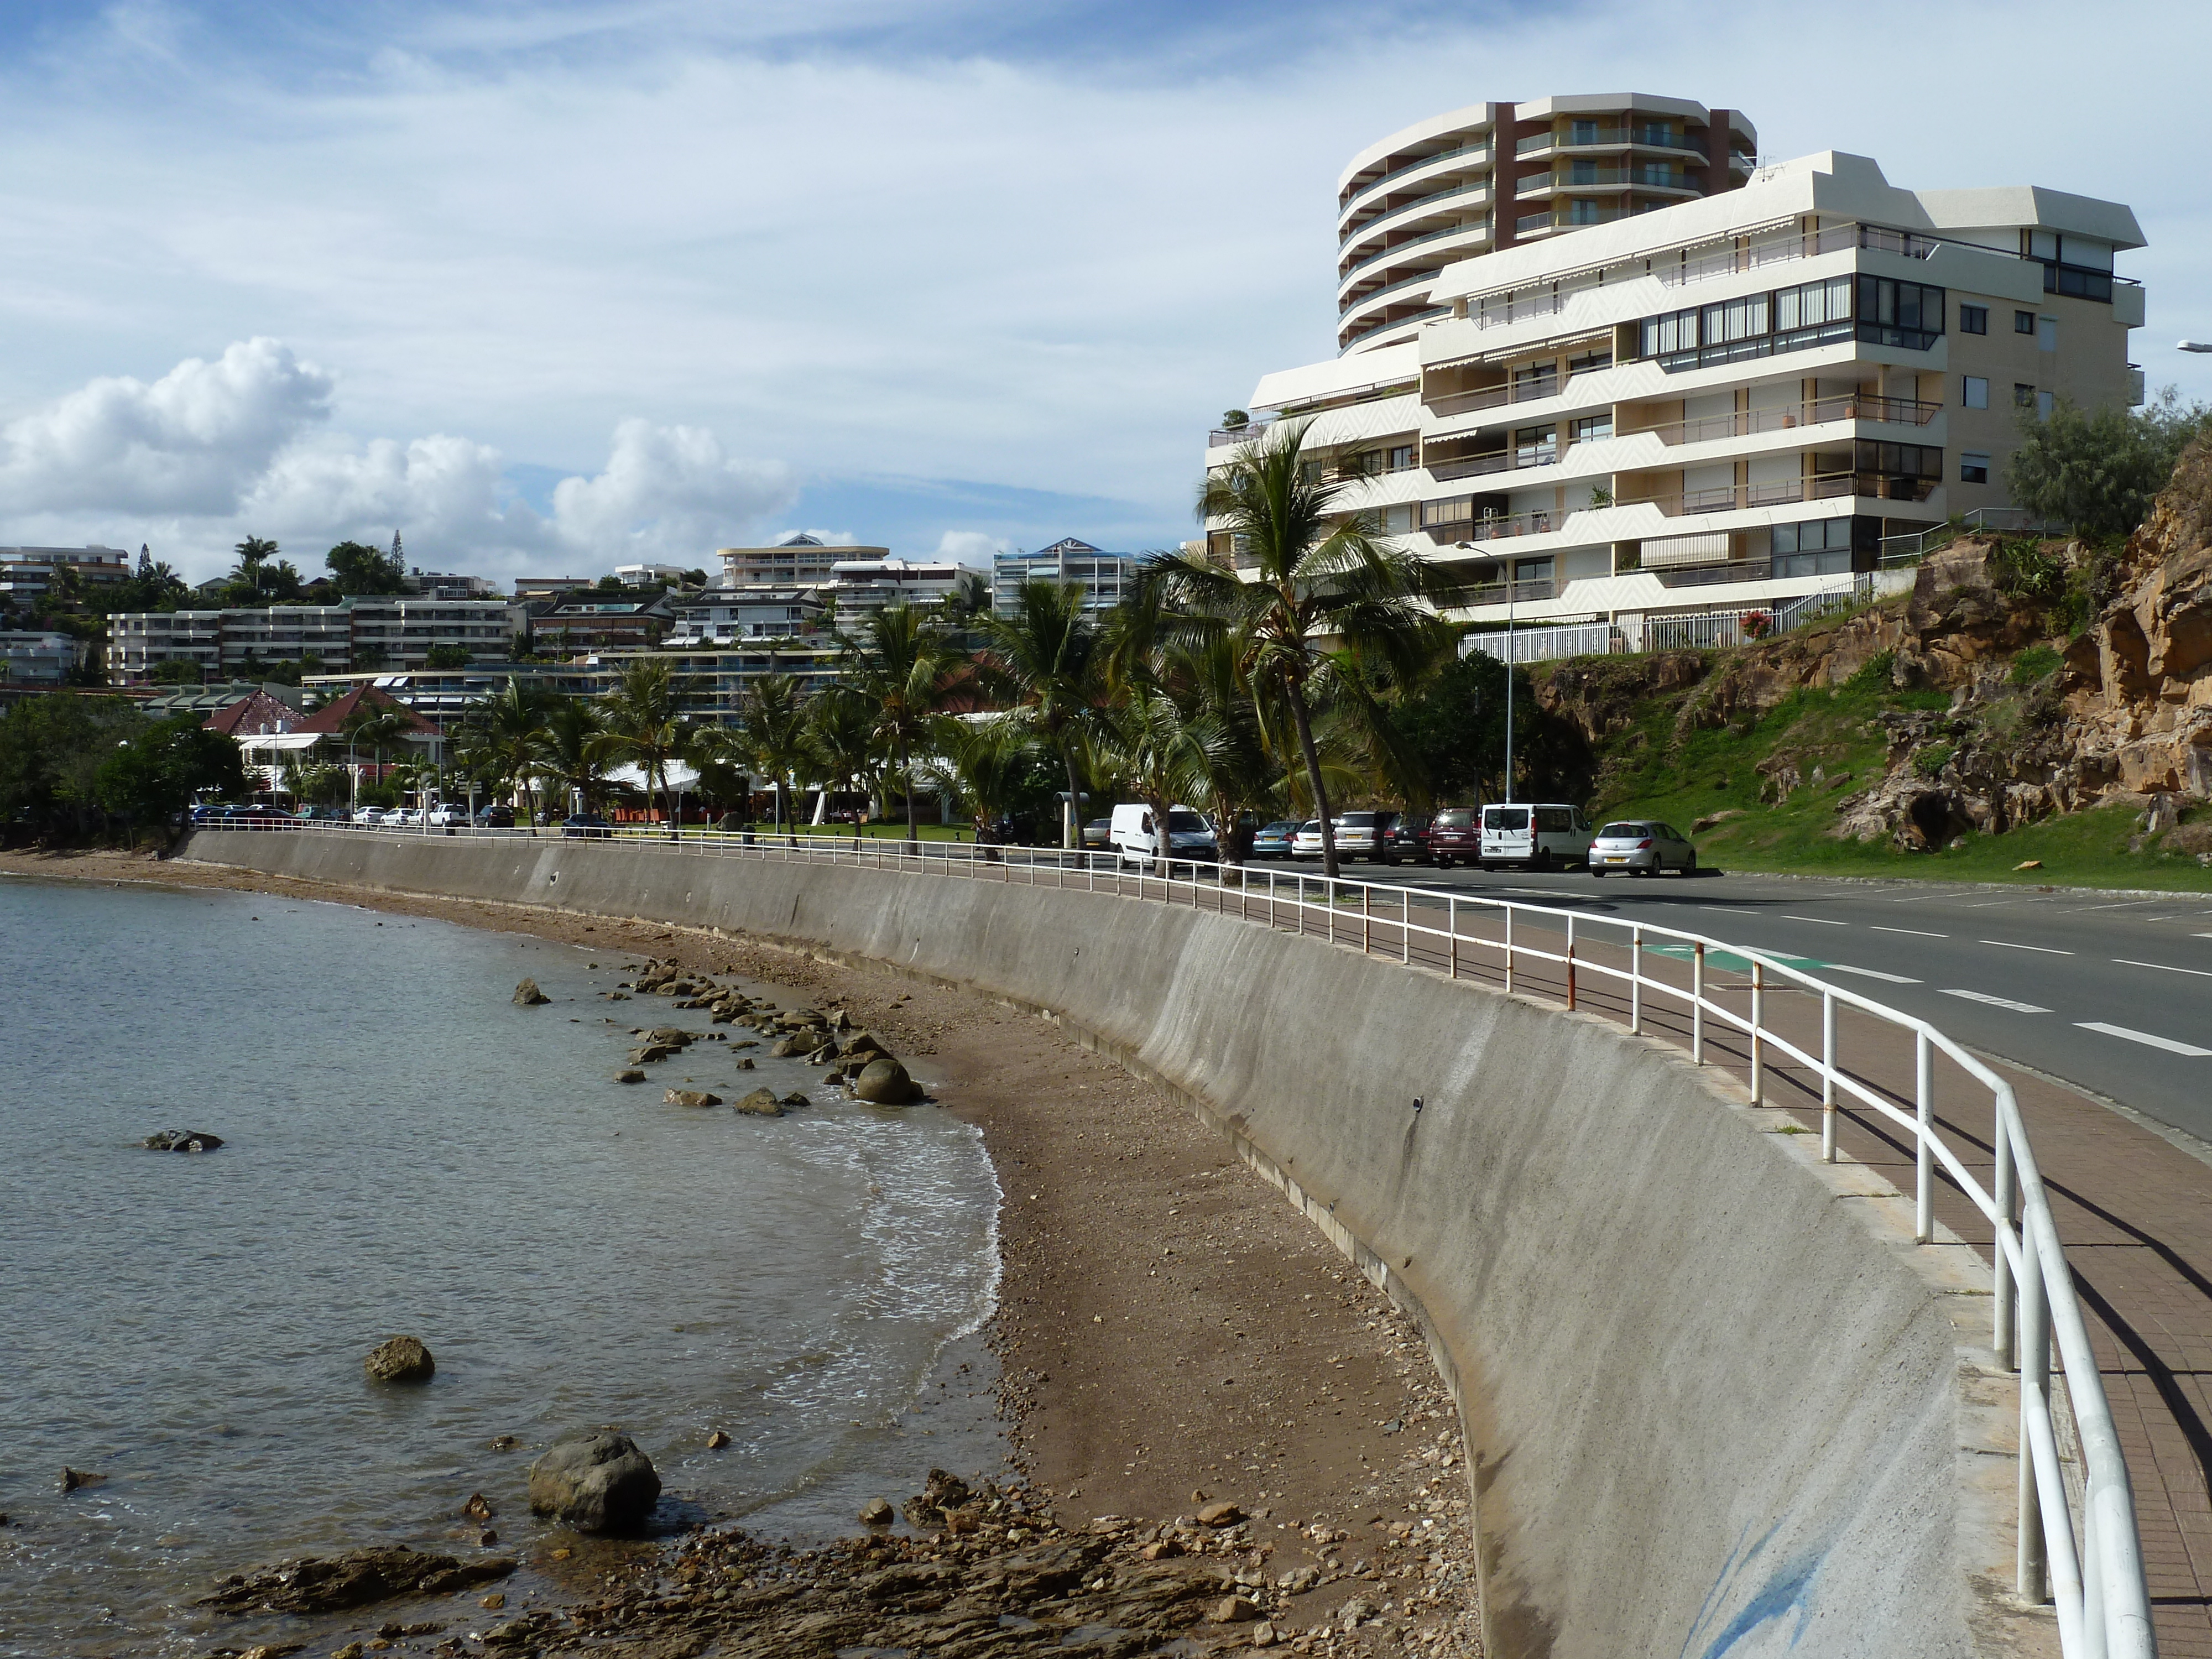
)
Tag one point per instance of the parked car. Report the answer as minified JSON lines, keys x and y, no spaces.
{"x":1098,"y":833}
{"x":1402,"y":838}
{"x":587,"y":826}
{"x":495,"y":816}
{"x":445,"y":817}
{"x":368,"y":815}
{"x":1358,"y":835}
{"x":256,"y":814}
{"x":1541,"y":835}
{"x":1453,"y":837}
{"x":1306,"y":843}
{"x":321,"y":815}
{"x":1643,"y":847}
{"x":1134,"y":843}
{"x":1273,"y":841}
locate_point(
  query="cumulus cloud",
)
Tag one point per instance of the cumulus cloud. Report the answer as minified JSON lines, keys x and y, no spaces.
{"x":971,"y":547}
{"x":214,"y":450}
{"x":195,"y":442}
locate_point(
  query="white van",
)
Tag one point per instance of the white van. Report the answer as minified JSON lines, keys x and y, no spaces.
{"x":1541,"y":835}
{"x":1130,"y":835}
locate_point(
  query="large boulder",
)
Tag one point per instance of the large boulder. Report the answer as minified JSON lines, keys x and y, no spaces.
{"x":691,"y":1097}
{"x":885,"y":1082}
{"x":527,"y":995}
{"x":182,"y":1140}
{"x":762,"y":1103}
{"x":596,"y":1481}
{"x":399,"y":1359}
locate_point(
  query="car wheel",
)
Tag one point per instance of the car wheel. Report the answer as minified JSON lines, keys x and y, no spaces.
{"x":1542,"y":860}
{"x":1597,"y":874}
{"x":1690,"y":864}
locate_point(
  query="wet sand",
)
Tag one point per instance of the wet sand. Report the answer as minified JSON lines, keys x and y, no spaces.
{"x":1171,"y":1332}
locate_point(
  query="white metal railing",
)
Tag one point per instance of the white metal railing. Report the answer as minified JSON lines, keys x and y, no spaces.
{"x":2088,"y":1564}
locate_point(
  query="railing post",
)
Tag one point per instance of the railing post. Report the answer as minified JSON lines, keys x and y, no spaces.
{"x":1827,"y":1077}
{"x":2031,"y":1557}
{"x":1508,"y":950}
{"x":1571,"y":962}
{"x":1366,"y":920}
{"x":1328,"y":885}
{"x":1758,"y":1032}
{"x":1405,"y":926}
{"x":1451,"y":926}
{"x":1697,"y":1002}
{"x":1924,"y":1226}
{"x":1636,"y":982}
{"x":2007,"y":1194}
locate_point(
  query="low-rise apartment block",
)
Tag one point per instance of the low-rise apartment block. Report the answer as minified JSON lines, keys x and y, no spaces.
{"x":40,"y":660}
{"x":730,"y":615}
{"x":378,"y":632}
{"x":27,"y":572}
{"x":857,"y":587}
{"x":796,"y":560}
{"x":1105,"y":577}
{"x":1695,"y":413}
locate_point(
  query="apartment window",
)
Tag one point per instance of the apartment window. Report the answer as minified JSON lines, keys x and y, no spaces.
{"x":1589,"y":360}
{"x":1583,"y":132}
{"x":1810,"y":304}
{"x":1584,"y":212}
{"x":1973,"y":469}
{"x":1590,"y":429}
{"x":1400,"y":458}
{"x":2046,"y":334}
{"x":1973,"y":319}
{"x":1675,"y":332}
{"x":1898,"y":460}
{"x":1891,"y":313}
{"x":2023,"y":396}
{"x":1978,"y":391}
{"x":2023,"y":322}
{"x":1736,"y":319}
{"x":2043,"y":402}
{"x":1535,"y":445}
{"x":1819,"y":547}
{"x":1581,"y":172}
{"x":1535,"y":380}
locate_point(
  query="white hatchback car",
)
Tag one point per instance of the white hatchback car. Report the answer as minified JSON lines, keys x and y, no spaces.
{"x":1643,"y":847}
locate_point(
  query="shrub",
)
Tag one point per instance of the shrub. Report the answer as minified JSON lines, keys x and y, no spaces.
{"x":2098,"y":470}
{"x":2035,"y":663}
{"x":2024,"y":570}
{"x":1876,"y":675}
{"x":1930,"y":760}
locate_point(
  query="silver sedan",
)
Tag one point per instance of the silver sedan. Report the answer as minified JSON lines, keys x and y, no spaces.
{"x":1643,"y":847}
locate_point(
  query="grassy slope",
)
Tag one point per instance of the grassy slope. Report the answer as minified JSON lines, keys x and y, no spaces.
{"x":1712,"y":771}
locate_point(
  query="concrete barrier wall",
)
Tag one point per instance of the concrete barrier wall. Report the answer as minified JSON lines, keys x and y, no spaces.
{"x":1718,"y":1404}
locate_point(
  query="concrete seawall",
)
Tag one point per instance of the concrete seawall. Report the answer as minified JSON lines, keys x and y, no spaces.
{"x":1718,"y":1403}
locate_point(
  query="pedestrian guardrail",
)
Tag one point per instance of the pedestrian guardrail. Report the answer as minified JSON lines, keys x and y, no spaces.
{"x":2084,"y":1557}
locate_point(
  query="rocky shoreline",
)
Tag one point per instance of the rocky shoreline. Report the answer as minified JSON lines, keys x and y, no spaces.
{"x":1171,"y":1337}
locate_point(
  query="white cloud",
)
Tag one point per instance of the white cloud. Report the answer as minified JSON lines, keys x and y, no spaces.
{"x":213,"y":451}
{"x":971,"y":547}
{"x":196,"y":440}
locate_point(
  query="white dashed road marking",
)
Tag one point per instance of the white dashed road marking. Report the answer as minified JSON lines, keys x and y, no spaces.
{"x":1916,"y":932}
{"x":1998,"y":1002}
{"x":1870,"y":973}
{"x":1824,"y":922}
{"x":2165,"y":967}
{"x":2008,"y":945}
{"x":2147,"y":1038}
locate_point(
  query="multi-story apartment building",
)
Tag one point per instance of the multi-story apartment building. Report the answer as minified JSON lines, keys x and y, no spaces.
{"x":37,"y":660}
{"x":726,"y":616}
{"x":596,"y":620}
{"x":796,"y":560}
{"x":26,"y":573}
{"x":1710,"y":408}
{"x":858,"y":586}
{"x":1105,"y":577}
{"x":378,"y":632}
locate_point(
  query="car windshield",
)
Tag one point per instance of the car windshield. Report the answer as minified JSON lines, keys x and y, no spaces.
{"x":1186,"y":822}
{"x":1457,"y":819}
{"x":1357,"y":820}
{"x":1310,"y":827}
{"x":1285,"y":828}
{"x":1624,"y":832}
{"x":1505,"y":818}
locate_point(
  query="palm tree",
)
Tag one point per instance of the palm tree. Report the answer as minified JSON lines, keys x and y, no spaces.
{"x":1235,"y":768}
{"x":503,"y":738}
{"x":1318,"y":591}
{"x":901,"y":663}
{"x":570,"y":751}
{"x":253,"y":553}
{"x":1146,"y":738}
{"x":775,"y":720}
{"x":645,"y":721}
{"x":842,"y":741}
{"x":369,"y":725}
{"x":1045,"y":658}
{"x":989,"y":759}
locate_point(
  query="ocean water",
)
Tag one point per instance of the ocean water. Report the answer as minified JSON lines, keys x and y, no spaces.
{"x":408,"y":1152}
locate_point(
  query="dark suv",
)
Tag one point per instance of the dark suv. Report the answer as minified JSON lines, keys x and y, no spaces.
{"x":1453,"y":837}
{"x":1401,"y":838}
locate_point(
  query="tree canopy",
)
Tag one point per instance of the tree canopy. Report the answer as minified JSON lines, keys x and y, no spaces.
{"x":2098,"y":470}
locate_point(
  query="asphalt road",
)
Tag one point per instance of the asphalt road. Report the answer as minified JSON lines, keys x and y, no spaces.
{"x":2109,"y":992}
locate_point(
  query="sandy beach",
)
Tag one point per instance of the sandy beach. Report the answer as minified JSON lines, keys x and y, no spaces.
{"x":1171,"y":1332}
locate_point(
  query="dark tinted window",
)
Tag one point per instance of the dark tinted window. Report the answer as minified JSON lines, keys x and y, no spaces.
{"x":1356,"y":820}
{"x":1625,"y":831}
{"x":1458,"y":818}
{"x":1505,"y":818}
{"x":1553,"y":820}
{"x":1186,"y":822}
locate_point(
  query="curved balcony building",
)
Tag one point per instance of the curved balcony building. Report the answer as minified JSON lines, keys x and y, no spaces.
{"x":1494,"y":176}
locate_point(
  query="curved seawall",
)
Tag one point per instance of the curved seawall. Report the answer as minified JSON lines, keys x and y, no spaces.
{"x":1718,"y":1401}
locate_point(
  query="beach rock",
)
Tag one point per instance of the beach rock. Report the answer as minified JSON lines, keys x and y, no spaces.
{"x":674,"y":1035}
{"x":717,"y":1440}
{"x":182,"y":1140}
{"x":762,"y":1103}
{"x":1231,"y":1609}
{"x":399,"y":1359}
{"x":332,"y":1583}
{"x":691,"y":1097}
{"x":478,"y":1508}
{"x":72,"y":1479}
{"x":596,"y":1481}
{"x":746,"y":1063}
{"x":863,"y":1042}
{"x":630,"y":1074}
{"x":784,"y":1048}
{"x":650,"y":1053}
{"x":885,"y":1082}
{"x":527,"y":995}
{"x":1219,"y":1514}
{"x":795,"y":1099}
{"x":877,"y":1512}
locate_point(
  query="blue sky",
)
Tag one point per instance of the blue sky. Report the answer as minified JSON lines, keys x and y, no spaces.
{"x":547,"y":286}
